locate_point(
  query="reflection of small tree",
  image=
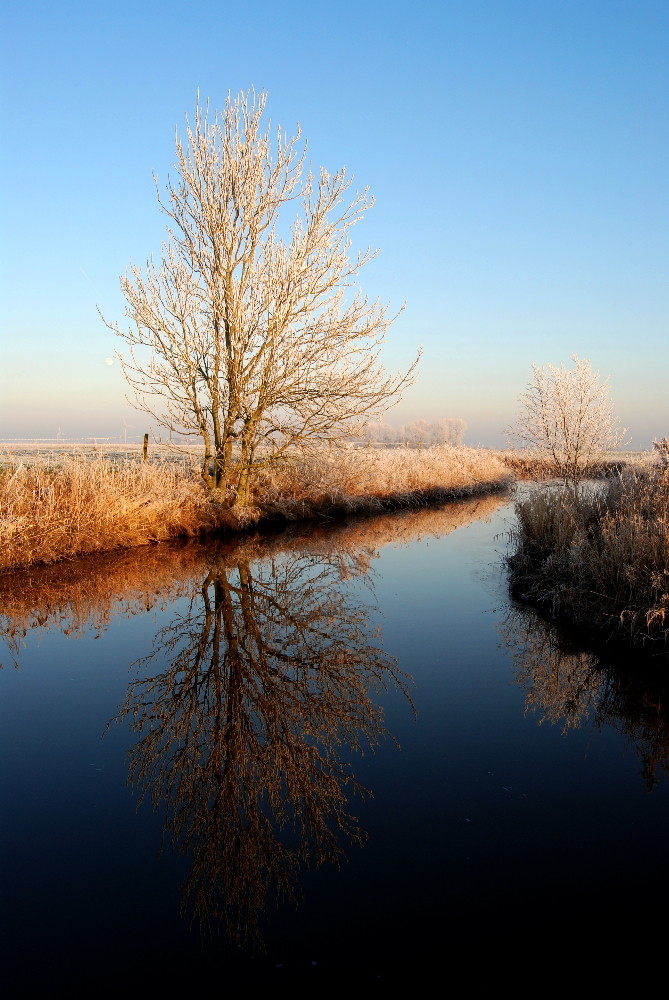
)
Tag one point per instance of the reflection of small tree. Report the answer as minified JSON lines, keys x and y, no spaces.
{"x":567,"y":417}
{"x":268,"y":683}
{"x":636,"y":705}
{"x":572,"y":686}
{"x":562,"y":686}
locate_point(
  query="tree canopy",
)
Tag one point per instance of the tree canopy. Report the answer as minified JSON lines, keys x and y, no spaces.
{"x":251,"y":333}
{"x":567,"y":416}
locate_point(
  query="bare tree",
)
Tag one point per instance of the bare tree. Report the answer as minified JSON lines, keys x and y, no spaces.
{"x":423,"y":433}
{"x":248,"y":334}
{"x":417,"y":433}
{"x":567,"y":416}
{"x":448,"y":430}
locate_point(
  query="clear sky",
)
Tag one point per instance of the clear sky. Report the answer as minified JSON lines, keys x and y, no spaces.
{"x":517,"y":150}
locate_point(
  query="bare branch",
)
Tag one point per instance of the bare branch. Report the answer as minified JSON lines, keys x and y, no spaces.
{"x":248,"y":332}
{"x":567,"y":416}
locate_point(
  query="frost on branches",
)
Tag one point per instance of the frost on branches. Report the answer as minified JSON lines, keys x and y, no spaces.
{"x":567,"y":417}
{"x":250,"y":333}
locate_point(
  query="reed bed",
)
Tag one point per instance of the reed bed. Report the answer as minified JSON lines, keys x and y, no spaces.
{"x":51,"y":510}
{"x":599,"y":556}
{"x":366,"y":480}
{"x":538,"y":468}
{"x":90,"y":591}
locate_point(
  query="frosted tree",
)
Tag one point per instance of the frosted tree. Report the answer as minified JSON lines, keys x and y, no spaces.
{"x":448,"y":430}
{"x":567,"y":417}
{"x":250,"y":333}
{"x":423,"y":433}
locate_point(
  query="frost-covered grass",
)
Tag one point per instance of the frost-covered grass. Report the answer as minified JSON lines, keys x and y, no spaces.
{"x":526,"y":464}
{"x":89,"y":591}
{"x":55,"y":504}
{"x":374,"y":479}
{"x":599,"y":555}
{"x":56,"y":511}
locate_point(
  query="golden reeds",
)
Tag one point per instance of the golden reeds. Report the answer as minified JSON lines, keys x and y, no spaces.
{"x":538,"y":468}
{"x":88,"y":592}
{"x":368,"y":479}
{"x":77,"y":506}
{"x":599,"y":555}
{"x":58,"y":509}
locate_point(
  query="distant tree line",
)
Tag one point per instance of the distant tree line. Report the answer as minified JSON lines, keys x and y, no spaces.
{"x":418,"y":433}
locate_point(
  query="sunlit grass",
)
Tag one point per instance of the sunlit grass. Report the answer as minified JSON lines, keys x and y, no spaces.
{"x":526,"y":464}
{"x":56,"y":511}
{"x":56,"y":505}
{"x":600,"y":555}
{"x":368,"y":479}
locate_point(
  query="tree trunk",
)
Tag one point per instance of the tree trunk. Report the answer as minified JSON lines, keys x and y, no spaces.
{"x":243,"y":496}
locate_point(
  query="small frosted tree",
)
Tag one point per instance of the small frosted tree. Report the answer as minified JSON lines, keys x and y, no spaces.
{"x":249,"y":334}
{"x":423,"y":433}
{"x":417,"y":433}
{"x":567,"y":417}
{"x":378,"y":433}
{"x":448,"y":430}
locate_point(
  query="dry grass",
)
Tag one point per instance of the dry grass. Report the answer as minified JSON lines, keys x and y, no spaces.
{"x":368,"y":479}
{"x":525,"y":464}
{"x":52,"y":510}
{"x":79,"y":506}
{"x":90,"y":591}
{"x":601,"y":556}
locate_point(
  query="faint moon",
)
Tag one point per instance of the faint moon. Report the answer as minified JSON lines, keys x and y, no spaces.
{"x":109,"y":361}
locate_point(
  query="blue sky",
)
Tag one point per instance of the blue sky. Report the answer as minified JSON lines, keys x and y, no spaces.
{"x":517,"y":152}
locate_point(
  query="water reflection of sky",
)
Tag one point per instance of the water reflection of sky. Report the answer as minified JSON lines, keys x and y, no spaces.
{"x":481,"y":818}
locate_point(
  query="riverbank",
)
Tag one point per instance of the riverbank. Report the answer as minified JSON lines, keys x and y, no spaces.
{"x":59,"y":509}
{"x":538,"y":468}
{"x":599,"y":557}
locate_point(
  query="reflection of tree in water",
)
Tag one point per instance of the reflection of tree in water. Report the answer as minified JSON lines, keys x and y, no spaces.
{"x":569,"y":685}
{"x":265,"y":683}
{"x":262,"y":688}
{"x":562,"y":686}
{"x":638,"y":706}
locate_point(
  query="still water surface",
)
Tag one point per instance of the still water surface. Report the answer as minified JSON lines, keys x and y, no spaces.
{"x":332,"y":755}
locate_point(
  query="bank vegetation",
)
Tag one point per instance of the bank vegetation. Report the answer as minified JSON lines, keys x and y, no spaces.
{"x":58,"y":509}
{"x":598,"y":555}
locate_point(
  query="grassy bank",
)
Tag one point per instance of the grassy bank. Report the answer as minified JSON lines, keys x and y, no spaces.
{"x":56,"y":509}
{"x":538,"y":468}
{"x":599,"y":557}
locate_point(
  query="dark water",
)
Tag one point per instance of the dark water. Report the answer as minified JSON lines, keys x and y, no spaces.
{"x":337,"y":756}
